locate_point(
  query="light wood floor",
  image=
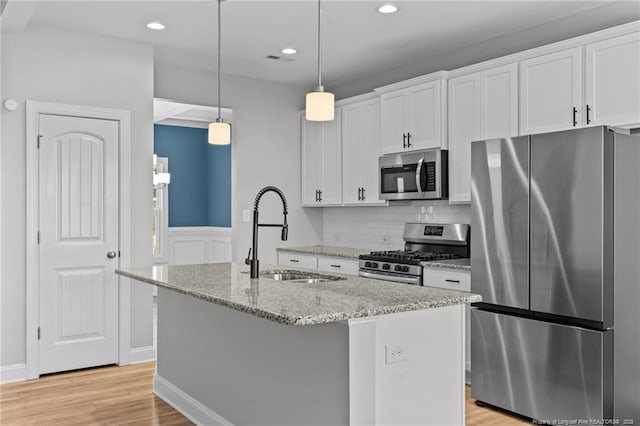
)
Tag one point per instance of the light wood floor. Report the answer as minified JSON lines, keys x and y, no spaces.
{"x":123,"y":396}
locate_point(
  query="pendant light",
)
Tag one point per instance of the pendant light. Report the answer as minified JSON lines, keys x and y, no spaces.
{"x":219,"y":131}
{"x":319,"y":104}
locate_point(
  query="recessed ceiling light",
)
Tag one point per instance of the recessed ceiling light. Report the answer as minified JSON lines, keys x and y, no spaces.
{"x":388,"y":8}
{"x":289,"y":51}
{"x":155,"y":26}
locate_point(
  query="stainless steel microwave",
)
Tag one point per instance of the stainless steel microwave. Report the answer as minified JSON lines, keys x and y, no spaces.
{"x":414,"y":175}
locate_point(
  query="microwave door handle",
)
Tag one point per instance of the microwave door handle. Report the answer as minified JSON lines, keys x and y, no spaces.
{"x":418,"y":174}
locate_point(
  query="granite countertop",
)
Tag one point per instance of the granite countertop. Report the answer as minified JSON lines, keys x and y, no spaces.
{"x":333,"y":251}
{"x":455,"y":264}
{"x":292,"y":303}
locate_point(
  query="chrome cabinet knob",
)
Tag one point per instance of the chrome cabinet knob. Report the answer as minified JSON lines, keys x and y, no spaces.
{"x":111,"y":254}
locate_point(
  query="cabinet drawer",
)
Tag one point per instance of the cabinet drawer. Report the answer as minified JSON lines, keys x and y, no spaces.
{"x":452,"y":280}
{"x":333,"y":264}
{"x":297,"y":260}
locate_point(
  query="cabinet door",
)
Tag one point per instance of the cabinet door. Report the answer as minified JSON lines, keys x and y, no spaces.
{"x":550,"y":89}
{"x":499,"y":112}
{"x":394,"y":113}
{"x":352,"y":152}
{"x":332,"y":161}
{"x":311,"y":168}
{"x":464,"y":127}
{"x":613,"y":81}
{"x":425,"y":115}
{"x":371,"y":150}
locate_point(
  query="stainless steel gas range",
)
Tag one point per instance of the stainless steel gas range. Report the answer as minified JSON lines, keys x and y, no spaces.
{"x":424,"y":242}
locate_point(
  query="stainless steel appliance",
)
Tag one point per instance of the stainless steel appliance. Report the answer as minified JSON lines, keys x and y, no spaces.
{"x":424,"y":242}
{"x":415,"y":175}
{"x":556,"y":257}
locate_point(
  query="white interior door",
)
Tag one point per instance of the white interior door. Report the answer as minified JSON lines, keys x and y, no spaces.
{"x":78,"y":215}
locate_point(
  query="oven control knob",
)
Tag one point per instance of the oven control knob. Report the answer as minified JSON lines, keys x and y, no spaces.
{"x":374,"y":264}
{"x":398,"y":268}
{"x":405,"y":269}
{"x":386,"y":266}
{"x":367,"y":264}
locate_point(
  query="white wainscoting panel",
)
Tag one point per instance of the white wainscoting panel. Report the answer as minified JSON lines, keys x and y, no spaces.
{"x":199,"y":244}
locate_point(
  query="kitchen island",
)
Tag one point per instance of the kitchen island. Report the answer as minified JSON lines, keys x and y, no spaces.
{"x":351,"y":351}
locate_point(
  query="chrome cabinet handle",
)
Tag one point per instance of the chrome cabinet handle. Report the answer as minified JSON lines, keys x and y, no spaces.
{"x":363,"y":196}
{"x":294,"y":261}
{"x":408,"y":140}
{"x":336,"y":266}
{"x":453,"y":281}
{"x":319,"y":195}
{"x":588,"y":110}
{"x":404,"y":140}
{"x":575,"y":120}
{"x":111,"y":254}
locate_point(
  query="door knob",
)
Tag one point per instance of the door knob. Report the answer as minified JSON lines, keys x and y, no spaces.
{"x":111,"y":254}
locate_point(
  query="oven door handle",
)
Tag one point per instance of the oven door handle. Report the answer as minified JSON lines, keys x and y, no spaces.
{"x":394,"y":278}
{"x":418,"y":174}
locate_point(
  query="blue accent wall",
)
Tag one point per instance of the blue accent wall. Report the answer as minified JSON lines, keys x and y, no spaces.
{"x":200,"y":188}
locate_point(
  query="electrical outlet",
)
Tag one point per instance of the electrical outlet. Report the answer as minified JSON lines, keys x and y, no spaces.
{"x":395,"y":353}
{"x":246,"y":215}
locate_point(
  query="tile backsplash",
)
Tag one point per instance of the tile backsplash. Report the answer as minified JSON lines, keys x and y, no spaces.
{"x":380,"y":228}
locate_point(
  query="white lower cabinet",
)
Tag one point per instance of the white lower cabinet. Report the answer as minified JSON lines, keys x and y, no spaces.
{"x":453,"y":280}
{"x":318,"y":263}
{"x":335,"y":264}
{"x":296,"y":260}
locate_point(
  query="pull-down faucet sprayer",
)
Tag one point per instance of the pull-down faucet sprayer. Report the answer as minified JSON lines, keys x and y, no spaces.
{"x":253,"y":259}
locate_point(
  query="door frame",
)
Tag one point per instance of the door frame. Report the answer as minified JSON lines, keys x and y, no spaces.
{"x":123,"y":117}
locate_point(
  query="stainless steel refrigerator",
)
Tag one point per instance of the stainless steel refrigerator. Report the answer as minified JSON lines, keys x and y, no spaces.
{"x":556,"y":258}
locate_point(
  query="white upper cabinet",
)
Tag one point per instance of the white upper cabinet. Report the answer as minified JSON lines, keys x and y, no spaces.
{"x":482,"y":105}
{"x":414,"y":115}
{"x":361,"y":147}
{"x":394,"y":124}
{"x":499,"y":117}
{"x":464,"y":127}
{"x":551,"y":92}
{"x":612,"y":94}
{"x":425,"y":126}
{"x":321,"y":162}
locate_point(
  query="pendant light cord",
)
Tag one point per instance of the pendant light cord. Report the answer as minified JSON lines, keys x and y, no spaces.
{"x":319,"y":52}
{"x":219,"y":44}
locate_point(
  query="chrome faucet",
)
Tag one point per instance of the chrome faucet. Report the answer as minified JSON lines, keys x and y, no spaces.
{"x":253,"y":260}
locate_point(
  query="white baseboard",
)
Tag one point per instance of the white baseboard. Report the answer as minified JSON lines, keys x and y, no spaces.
{"x":185,"y":404}
{"x":13,"y":373}
{"x":143,"y":354}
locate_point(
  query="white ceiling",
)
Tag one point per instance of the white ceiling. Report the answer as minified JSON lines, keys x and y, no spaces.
{"x":357,"y":40}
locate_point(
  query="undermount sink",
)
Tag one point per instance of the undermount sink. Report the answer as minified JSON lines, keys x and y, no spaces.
{"x":299,"y":276}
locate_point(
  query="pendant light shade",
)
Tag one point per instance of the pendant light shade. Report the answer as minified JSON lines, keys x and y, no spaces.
{"x":319,"y":104}
{"x":219,"y":131}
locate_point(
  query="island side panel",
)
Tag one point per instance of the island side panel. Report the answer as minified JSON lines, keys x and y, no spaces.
{"x":249,"y":370}
{"x":427,"y":386}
